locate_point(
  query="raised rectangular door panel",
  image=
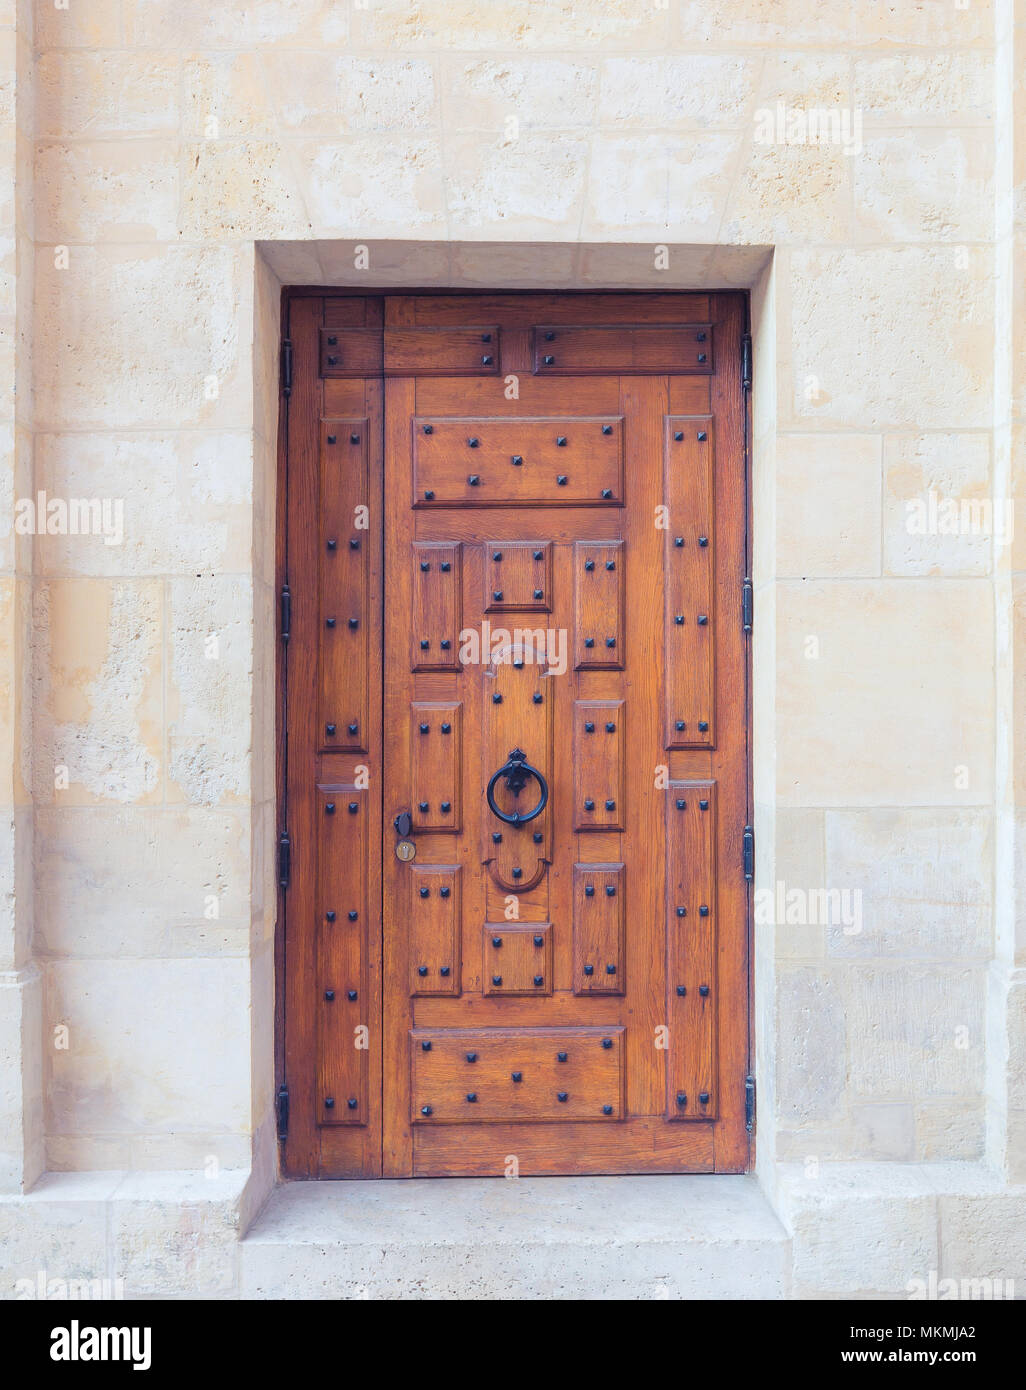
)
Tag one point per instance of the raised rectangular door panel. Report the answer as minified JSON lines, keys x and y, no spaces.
{"x":568,"y":350}
{"x":527,"y":943}
{"x":533,"y":1075}
{"x":562,"y":461}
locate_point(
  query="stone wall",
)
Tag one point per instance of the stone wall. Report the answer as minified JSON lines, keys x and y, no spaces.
{"x":187,"y":159}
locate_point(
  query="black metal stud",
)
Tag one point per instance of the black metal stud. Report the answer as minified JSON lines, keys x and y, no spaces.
{"x":610,"y":805}
{"x":473,"y":441}
{"x":549,"y":335}
{"x":331,"y":437}
{"x":497,"y":837}
{"x":682,"y":1099}
{"x":562,"y":1095}
{"x":538,"y":593}
{"x":678,"y":618}
{"x":425,"y":1046}
{"x":444,"y":971}
{"x":678,"y":435}
{"x":682,"y":990}
{"x":703,"y":805}
{"x":353,"y":915}
{"x":352,"y":1102}
{"x":446,"y":565}
{"x":589,"y":564}
{"x":421,"y":969}
{"x":329,"y":916}
{"x":354,"y":543}
{"x":518,"y":665}
{"x":445,"y":644}
{"x":703,"y":990}
{"x":538,"y":555}
{"x":354,"y":439}
{"x":682,"y":805}
{"x":589,"y":641}
{"x":446,"y":807}
{"x":352,"y":995}
{"x":329,"y":994}
{"x":589,"y":727}
{"x":429,"y":429}
{"x":354,"y":623}
{"x":561,"y":441}
{"x":610,"y":727}
{"x":536,"y":697}
{"x":561,"y":479}
{"x":539,"y":941}
{"x":539,"y":980}
{"x":497,"y":698}
{"x":610,"y":564}
{"x":699,"y":337}
{"x":329,"y":729}
{"x":703,"y":911}
{"x":425,"y":1109}
{"x":589,"y":805}
{"x":702,"y":620}
{"x":548,"y":360}
{"x":486,"y":337}
{"x":487,"y":361}
{"x":702,"y":435}
{"x":702,"y":357}
{"x":424,"y":728}
{"x":471,"y":1056}
{"x":607,"y":492}
{"x":537,"y":837}
{"x":610,"y":641}
{"x":517,"y":873}
{"x":429,"y":495}
{"x":517,"y":460}
{"x":610,"y":890}
{"x":446,"y":728}
{"x":589,"y":890}
{"x":425,"y":892}
{"x":703,"y":1097}
{"x":703,"y":541}
{"x":353,"y":728}
{"x":679,"y":725}
{"x":472,"y":1096}
{"x":589,"y":970}
{"x":353,"y":807}
{"x":329,"y":622}
{"x":425,"y":565}
{"x":424,"y":644}
{"x":610,"y":969}
{"x":329,"y":808}
{"x":473,"y":479}
{"x":497,"y":595}
{"x":497,"y":556}
{"x":678,"y":541}
{"x":332,"y":544}
{"x":703,"y":726}
{"x":517,"y":1075}
{"x":329,"y":1102}
{"x":682,"y":912}
{"x":496,"y":941}
{"x":607,"y":1042}
{"x":607,"y":1110}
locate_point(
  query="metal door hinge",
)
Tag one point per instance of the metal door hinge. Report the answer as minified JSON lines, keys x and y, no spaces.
{"x":286,"y":367}
{"x":746,"y":361}
{"x":282,"y":1103}
{"x":749,"y":1103}
{"x":286,"y":612}
{"x":747,"y":605}
{"x":748,"y":843}
{"x":284,"y":859}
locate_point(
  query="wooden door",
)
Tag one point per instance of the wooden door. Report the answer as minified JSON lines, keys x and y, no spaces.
{"x":518,"y":786}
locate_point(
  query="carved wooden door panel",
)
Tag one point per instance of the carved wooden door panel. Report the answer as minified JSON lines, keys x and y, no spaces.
{"x":539,"y":759}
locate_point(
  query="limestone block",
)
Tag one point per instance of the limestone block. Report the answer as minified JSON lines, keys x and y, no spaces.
{"x":922,"y":24}
{"x":954,"y":1131}
{"x":940,"y":515}
{"x":210,"y":671}
{"x":764,"y":22}
{"x":654,"y":183}
{"x":983,"y":1236}
{"x":791,"y":193}
{"x":372,"y":185}
{"x":469,"y":25}
{"x":239,"y":189}
{"x":227,"y":96}
{"x":537,"y":92}
{"x":828,"y":505}
{"x":804,"y":80}
{"x":684,"y":91}
{"x":160,"y":1047}
{"x":925,"y":88}
{"x":535,"y":182}
{"x":131,"y":882}
{"x":168,"y":319}
{"x":923,"y":880}
{"x":915,"y":1032}
{"x":192,"y":24}
{"x":925,"y":185}
{"x":798,"y":862}
{"x":123,"y":190}
{"x":112,"y":95}
{"x":883,"y":693}
{"x":21,"y":1082}
{"x":914,"y":340}
{"x":57,"y":1237}
{"x":99,"y":720}
{"x":883,"y":1132}
{"x":96,"y":25}
{"x":176,"y":1235}
{"x":811,"y":1045}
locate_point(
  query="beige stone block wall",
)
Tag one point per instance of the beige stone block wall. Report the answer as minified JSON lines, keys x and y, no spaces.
{"x":170,"y":136}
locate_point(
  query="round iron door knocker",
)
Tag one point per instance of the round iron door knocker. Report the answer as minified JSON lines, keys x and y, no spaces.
{"x":516,"y":770}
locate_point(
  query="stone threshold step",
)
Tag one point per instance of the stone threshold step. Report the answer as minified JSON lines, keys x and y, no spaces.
{"x":532,"y":1238}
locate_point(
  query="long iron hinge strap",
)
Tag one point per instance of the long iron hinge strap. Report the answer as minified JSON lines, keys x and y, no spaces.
{"x":286,"y":367}
{"x":749,"y":1103}
{"x":748,"y":846}
{"x":284,"y":859}
{"x":286,"y":612}
{"x":746,"y":361}
{"x":747,"y":605}
{"x":283,"y":1112}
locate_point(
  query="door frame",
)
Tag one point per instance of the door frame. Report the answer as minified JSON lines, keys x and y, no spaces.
{"x":289,"y":295}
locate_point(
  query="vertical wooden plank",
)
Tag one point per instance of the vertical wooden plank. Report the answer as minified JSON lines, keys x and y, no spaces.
{"x":691,"y":625}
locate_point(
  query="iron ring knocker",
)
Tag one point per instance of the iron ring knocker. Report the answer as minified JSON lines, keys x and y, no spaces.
{"x":516,"y":770}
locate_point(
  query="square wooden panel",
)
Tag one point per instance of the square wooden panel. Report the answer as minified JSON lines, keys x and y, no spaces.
{"x":350,"y":352}
{"x":689,"y":558}
{"x":517,"y":958}
{"x":437,"y":606}
{"x":692,"y":928}
{"x":435,"y":914}
{"x":599,"y":605}
{"x":436,"y":759}
{"x":482,"y":1075}
{"x":599,"y":738}
{"x":518,"y":576}
{"x":599,"y":916}
{"x":345,"y":619}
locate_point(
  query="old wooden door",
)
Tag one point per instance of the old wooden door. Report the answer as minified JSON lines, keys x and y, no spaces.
{"x":516,"y":735}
